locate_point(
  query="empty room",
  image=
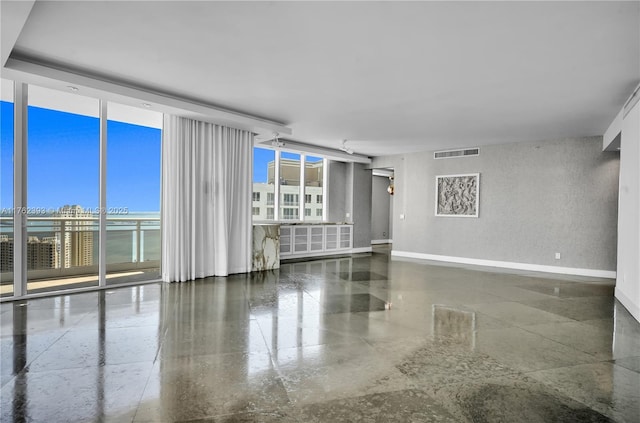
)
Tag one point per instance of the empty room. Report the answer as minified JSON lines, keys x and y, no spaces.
{"x":320,"y":211}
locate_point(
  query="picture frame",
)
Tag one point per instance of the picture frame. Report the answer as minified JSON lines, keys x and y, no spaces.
{"x":457,"y":195}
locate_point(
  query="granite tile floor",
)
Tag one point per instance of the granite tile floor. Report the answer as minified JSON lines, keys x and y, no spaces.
{"x":352,"y":339}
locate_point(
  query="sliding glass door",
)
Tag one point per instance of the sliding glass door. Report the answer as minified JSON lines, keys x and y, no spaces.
{"x":62,"y":190}
{"x":63,"y":181}
{"x":134,"y":136}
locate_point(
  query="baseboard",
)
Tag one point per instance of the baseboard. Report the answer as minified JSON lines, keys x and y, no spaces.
{"x":631,"y":307}
{"x":381,"y":241}
{"x":596,"y":273}
{"x":327,"y":253}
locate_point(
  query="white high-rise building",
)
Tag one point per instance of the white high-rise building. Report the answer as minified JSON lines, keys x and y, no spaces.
{"x":264,"y":193}
{"x":78,"y":236}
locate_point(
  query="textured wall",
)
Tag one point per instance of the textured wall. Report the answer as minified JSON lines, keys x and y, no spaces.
{"x":350,"y":192}
{"x":536,"y":199}
{"x":361,"y":205}
{"x":380,"y":208}
{"x":337,"y":191}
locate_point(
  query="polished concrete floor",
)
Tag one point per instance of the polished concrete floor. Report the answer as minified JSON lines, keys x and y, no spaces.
{"x":357,"y":339}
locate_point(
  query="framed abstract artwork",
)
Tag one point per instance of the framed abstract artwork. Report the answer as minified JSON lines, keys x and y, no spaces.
{"x":458,"y":195}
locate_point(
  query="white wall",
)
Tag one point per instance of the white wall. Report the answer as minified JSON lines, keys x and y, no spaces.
{"x":628,"y":272}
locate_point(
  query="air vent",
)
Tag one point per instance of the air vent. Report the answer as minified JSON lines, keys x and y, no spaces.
{"x":448,"y":154}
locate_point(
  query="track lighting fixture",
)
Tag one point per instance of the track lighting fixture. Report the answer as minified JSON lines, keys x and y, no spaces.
{"x":276,"y":141}
{"x":345,"y":148}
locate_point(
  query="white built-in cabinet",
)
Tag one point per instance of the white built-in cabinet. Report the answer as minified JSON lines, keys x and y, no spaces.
{"x":285,"y":239}
{"x":308,"y":240}
{"x":316,"y":238}
{"x":300,"y":239}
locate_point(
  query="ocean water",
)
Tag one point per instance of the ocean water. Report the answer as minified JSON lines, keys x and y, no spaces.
{"x":121,"y":235}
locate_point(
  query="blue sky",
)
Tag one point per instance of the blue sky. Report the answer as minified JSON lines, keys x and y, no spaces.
{"x":63,"y":161}
{"x":6,"y":154}
{"x":261,"y":157}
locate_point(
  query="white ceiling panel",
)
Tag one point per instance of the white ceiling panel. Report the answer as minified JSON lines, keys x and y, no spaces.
{"x":391,"y":77}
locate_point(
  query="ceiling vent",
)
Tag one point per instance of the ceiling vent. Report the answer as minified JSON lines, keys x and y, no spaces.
{"x":448,"y":154}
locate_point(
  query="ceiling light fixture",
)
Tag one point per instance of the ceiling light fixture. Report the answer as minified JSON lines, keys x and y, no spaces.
{"x":345,"y":148}
{"x":147,"y":105}
{"x":72,"y":88}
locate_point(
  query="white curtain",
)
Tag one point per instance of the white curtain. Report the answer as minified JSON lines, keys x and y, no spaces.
{"x":206,"y":200}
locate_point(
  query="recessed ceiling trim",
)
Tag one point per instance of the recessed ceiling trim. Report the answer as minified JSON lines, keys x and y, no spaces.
{"x":13,"y":16}
{"x":25,"y":71}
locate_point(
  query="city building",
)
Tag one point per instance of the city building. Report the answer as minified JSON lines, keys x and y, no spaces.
{"x":43,"y":253}
{"x":508,"y":287}
{"x":290,"y":194}
{"x":6,"y":253}
{"x":49,"y":252}
{"x":78,"y":235}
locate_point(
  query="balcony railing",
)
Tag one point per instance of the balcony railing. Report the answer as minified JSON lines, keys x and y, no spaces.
{"x":69,"y":246}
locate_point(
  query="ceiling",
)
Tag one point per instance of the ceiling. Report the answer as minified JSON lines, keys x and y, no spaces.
{"x":390,"y":77}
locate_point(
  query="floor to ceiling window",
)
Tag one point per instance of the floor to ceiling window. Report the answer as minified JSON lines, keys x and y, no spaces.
{"x":313,"y":188}
{"x":289,"y":186}
{"x":263,"y":197}
{"x":6,"y":188}
{"x":63,"y":183}
{"x":133,"y":193}
{"x":63,"y":163}
{"x":278,"y":191}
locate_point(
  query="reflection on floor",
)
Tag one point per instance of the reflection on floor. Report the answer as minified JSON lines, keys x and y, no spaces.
{"x":319,"y":341}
